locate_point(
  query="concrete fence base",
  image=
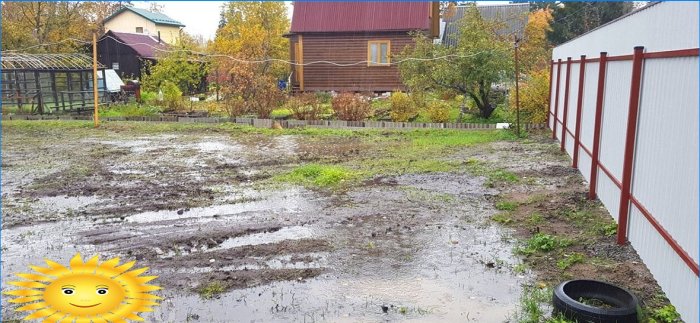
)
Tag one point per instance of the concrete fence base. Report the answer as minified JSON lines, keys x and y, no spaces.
{"x":267,"y":123}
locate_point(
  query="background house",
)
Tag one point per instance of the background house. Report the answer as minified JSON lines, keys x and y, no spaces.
{"x":127,"y":53}
{"x":513,"y":16}
{"x":141,"y":21}
{"x":350,"y":32}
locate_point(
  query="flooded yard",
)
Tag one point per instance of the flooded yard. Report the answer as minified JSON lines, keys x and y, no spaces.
{"x":405,"y":232}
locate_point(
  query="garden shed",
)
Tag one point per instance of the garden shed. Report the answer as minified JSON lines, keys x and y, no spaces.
{"x":49,"y":83}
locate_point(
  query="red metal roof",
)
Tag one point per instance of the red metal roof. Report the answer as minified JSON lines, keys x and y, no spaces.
{"x":359,"y":16}
{"x":141,"y":43}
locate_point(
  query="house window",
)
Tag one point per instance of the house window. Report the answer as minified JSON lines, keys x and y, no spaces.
{"x":139,"y":30}
{"x":378,"y":52}
{"x":115,"y":66}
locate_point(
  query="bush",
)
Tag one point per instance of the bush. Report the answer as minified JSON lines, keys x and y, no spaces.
{"x":534,"y":95}
{"x":324,"y":97}
{"x":305,"y":107}
{"x":419,"y":99}
{"x":235,"y":106}
{"x":351,"y":107}
{"x":172,"y":96}
{"x":149,"y":97}
{"x":439,"y":111}
{"x":402,"y":107}
{"x":448,"y":95}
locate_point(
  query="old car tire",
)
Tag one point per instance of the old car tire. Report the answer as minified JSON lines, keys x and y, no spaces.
{"x":567,"y":294}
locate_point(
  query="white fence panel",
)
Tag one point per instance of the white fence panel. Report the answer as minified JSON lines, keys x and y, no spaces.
{"x":674,"y":276}
{"x":608,"y":193}
{"x":584,"y":164}
{"x":569,"y":144}
{"x":562,"y":91}
{"x":590,"y":90}
{"x":615,"y":109}
{"x":666,"y":165}
{"x":573,"y":96}
{"x":663,"y":26}
{"x":552,"y":97}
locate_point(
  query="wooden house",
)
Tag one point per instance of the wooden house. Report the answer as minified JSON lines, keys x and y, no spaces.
{"x":127,"y":53}
{"x":350,"y":46}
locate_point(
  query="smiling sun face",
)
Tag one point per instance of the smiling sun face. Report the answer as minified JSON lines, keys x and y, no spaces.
{"x":85,"y":294}
{"x":86,"y":291}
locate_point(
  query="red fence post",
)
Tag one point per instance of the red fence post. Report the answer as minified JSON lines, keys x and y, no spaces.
{"x":597,"y":123}
{"x":556,"y":100}
{"x":549,"y":98}
{"x":630,"y":138}
{"x":566,"y":104}
{"x":579,"y":103}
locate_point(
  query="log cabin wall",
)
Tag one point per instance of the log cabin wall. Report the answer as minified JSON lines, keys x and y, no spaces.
{"x":345,"y":48}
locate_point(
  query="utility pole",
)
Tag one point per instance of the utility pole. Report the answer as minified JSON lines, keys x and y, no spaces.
{"x":94,"y":78}
{"x":517,"y":89}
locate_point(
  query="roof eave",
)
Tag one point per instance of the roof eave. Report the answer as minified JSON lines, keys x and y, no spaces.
{"x":116,"y":13}
{"x":170,"y":24}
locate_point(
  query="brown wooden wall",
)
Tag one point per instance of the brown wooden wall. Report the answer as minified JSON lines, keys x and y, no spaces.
{"x":347,"y":48}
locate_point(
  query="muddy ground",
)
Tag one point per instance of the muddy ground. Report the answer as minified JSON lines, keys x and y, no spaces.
{"x":203,"y":209}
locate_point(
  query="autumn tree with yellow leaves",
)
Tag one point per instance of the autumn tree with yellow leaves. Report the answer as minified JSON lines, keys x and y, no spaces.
{"x":250,"y":37}
{"x":29,"y":24}
{"x":535,"y":56}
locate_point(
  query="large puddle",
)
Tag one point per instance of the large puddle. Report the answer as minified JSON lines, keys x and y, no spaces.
{"x":410,"y":248}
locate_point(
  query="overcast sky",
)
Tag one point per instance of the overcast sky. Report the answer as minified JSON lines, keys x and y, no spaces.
{"x":202,"y":17}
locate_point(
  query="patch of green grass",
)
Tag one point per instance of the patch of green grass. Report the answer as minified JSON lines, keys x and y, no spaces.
{"x":397,"y":166}
{"x":318,"y":175}
{"x":534,"y":306}
{"x":535,"y":219}
{"x":493,"y":175}
{"x":129,"y":110}
{"x":609,"y":229}
{"x":500,"y":175}
{"x":530,"y":310}
{"x":503,"y":218}
{"x":506,"y":205}
{"x":569,"y":260}
{"x":520,"y":268}
{"x":542,"y":242}
{"x":666,"y":314}
{"x":211,"y":290}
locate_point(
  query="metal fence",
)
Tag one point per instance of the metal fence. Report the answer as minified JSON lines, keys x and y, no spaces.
{"x":628,"y":117}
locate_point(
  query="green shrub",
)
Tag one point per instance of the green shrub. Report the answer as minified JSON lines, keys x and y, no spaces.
{"x":351,"y":107}
{"x":172,"y":96}
{"x":402,"y":107}
{"x":439,"y":111}
{"x":149,"y":97}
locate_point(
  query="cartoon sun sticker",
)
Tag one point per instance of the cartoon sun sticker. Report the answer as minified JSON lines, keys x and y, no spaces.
{"x":88,"y":291}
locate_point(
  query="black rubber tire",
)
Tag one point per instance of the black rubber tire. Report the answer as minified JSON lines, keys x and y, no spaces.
{"x":567,"y":294}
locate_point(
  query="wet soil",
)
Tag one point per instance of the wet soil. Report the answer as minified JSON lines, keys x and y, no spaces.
{"x":198,"y":208}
